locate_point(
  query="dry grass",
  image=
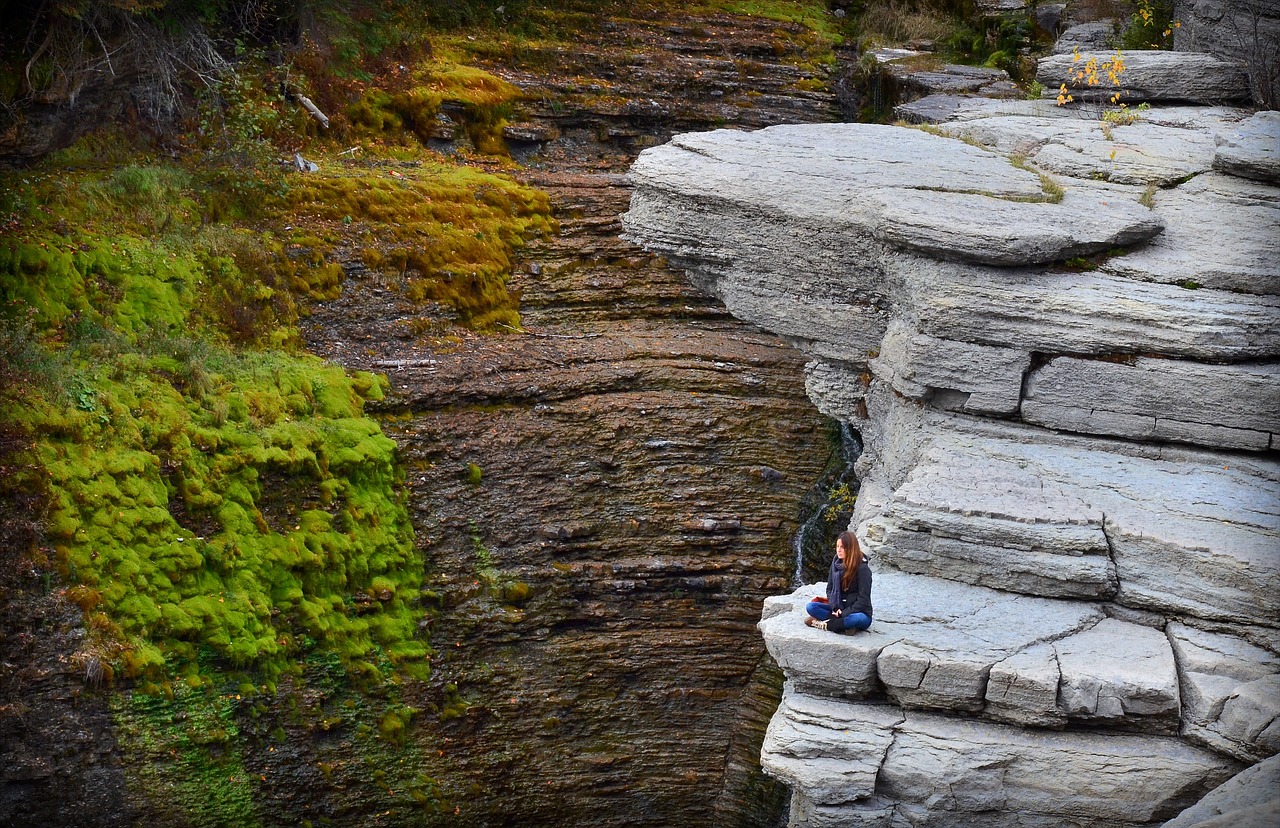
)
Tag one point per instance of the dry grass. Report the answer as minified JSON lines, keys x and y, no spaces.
{"x":896,"y":22}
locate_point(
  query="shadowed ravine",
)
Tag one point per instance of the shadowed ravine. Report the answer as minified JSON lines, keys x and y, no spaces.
{"x":603,"y":502}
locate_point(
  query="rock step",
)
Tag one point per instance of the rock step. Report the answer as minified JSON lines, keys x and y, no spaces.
{"x":1185,"y":533}
{"x":1034,"y":662}
{"x":1250,"y":799}
{"x":860,"y":764}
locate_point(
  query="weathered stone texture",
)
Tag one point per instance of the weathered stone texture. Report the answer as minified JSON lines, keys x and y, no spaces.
{"x":1153,"y":76}
{"x":1067,"y":486}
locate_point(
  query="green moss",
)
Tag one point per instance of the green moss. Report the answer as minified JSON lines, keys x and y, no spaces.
{"x":449,"y":231}
{"x":191,"y":772}
{"x":480,"y":99}
{"x":204,"y":495}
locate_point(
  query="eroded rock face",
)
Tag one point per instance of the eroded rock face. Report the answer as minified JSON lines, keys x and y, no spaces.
{"x":1069,"y":486}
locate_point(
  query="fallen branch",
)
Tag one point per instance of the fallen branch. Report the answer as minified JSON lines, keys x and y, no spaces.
{"x":547,"y":335}
{"x":314,"y":110}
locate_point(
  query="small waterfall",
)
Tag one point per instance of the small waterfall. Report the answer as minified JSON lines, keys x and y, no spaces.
{"x":826,"y":509}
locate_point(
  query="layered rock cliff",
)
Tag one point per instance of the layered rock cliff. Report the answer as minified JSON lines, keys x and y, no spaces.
{"x":1058,"y":339}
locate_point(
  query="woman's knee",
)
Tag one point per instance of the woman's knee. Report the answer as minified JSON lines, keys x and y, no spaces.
{"x":818,"y":610}
{"x":857,"y":621}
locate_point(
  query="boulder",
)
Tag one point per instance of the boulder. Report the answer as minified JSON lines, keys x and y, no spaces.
{"x":945,"y":772}
{"x":1151,"y":76}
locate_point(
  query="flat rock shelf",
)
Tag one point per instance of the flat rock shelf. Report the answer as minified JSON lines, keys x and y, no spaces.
{"x":1058,"y":340}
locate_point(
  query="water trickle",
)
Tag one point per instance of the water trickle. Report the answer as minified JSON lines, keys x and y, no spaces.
{"x":826,"y":510}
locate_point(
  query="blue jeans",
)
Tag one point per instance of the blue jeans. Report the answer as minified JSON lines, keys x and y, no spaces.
{"x":853,"y":621}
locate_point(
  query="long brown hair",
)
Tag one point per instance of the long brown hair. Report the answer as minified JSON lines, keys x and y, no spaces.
{"x":852,"y":559}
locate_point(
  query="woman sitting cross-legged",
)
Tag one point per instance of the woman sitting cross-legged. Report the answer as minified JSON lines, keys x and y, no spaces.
{"x":848,"y":604}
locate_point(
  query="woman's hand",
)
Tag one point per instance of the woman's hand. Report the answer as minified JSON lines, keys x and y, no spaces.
{"x":837,"y":613}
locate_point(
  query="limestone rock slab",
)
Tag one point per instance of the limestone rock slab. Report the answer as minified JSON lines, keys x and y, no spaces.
{"x":1086,"y":313}
{"x":1252,"y":150}
{"x":945,"y":772}
{"x":866,"y":179}
{"x":1117,"y":671}
{"x":812,"y":744}
{"x":1235,"y":251}
{"x":932,"y":642}
{"x":1250,"y":799}
{"x":1137,"y":153}
{"x":955,"y":767}
{"x":917,"y":365}
{"x":1023,"y":689}
{"x":1155,"y":75}
{"x":1231,"y":406}
{"x":994,"y":523}
{"x":986,"y":229}
{"x":1189,"y":531}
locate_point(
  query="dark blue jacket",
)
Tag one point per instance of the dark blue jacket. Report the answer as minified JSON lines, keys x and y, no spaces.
{"x":858,"y":599}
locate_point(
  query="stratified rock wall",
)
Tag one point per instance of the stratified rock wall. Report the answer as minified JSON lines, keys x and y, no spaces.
{"x":1059,"y":343}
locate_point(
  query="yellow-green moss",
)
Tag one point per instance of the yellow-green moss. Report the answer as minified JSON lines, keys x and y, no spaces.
{"x":481,"y":100}
{"x":205,"y":495}
{"x":449,"y":230}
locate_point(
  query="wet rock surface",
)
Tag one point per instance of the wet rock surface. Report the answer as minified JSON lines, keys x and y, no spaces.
{"x":604,"y":497}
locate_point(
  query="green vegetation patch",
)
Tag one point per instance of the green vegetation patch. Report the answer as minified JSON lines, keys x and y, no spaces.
{"x":193,"y":773}
{"x":449,"y":230}
{"x":481,"y":102}
{"x":209,"y":489}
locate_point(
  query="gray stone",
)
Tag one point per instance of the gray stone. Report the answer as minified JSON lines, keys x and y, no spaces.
{"x":1023,"y":689}
{"x":988,"y":229}
{"x":1085,"y":37}
{"x":1234,"y":252}
{"x":1141,"y":152}
{"x":871,"y":247}
{"x":1001,"y":6}
{"x":1153,"y":76}
{"x":1250,"y":799}
{"x":837,"y":174}
{"x":813,"y":744}
{"x":1116,"y":671}
{"x":951,"y":768}
{"x":1230,"y":700}
{"x":1234,"y":407}
{"x":931,"y":109}
{"x":1244,"y":30}
{"x":1189,"y":531}
{"x":1252,"y":150}
{"x":995,"y":523}
{"x":1251,"y":716}
{"x":1048,"y":16}
{"x":918,"y":365}
{"x":840,"y":387}
{"x":1086,"y":313}
{"x":932,"y":642}
{"x":880,"y":764}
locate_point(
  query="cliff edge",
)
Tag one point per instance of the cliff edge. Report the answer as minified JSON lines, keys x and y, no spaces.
{"x":1058,"y":339}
